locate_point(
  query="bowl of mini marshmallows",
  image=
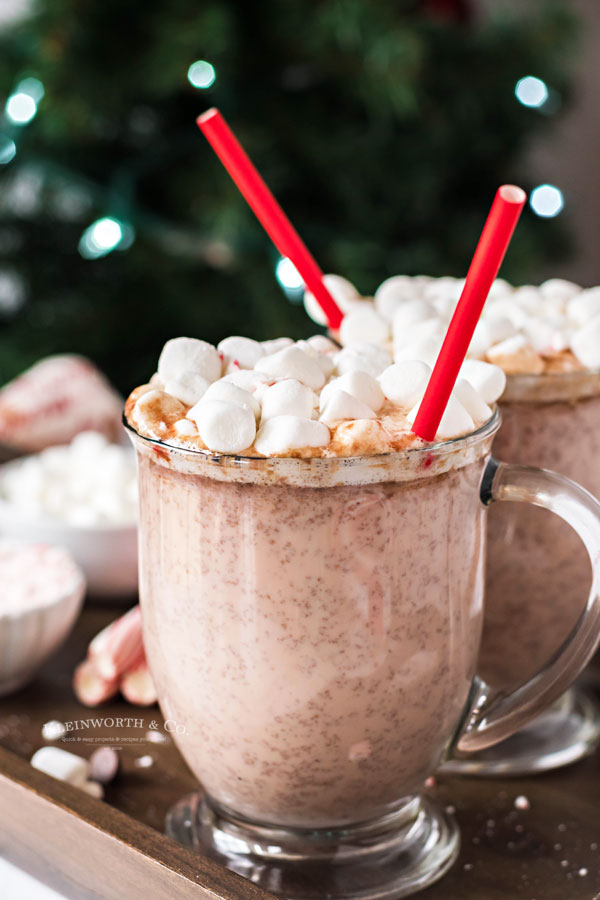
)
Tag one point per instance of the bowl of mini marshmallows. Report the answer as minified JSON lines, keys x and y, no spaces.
{"x":81,"y":496}
{"x":41,"y":596}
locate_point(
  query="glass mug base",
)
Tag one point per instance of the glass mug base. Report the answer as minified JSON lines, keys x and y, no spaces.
{"x":564,"y":734}
{"x":393,"y":856}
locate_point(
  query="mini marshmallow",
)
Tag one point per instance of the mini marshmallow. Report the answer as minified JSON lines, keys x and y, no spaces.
{"x":185,"y":428}
{"x":404,"y":382}
{"x":559,"y":290}
{"x":362,"y":357}
{"x":325,"y":360}
{"x":585,"y":344}
{"x":363,"y":324}
{"x":471,"y":400}
{"x":444,"y":288}
{"x":420,"y":331}
{"x":456,"y":420}
{"x":516,"y":356}
{"x":224,"y":427}
{"x":242,"y":350}
{"x":340,"y":405}
{"x":528,"y":298}
{"x":189,"y":355}
{"x":426,"y":350}
{"x":358,"y":384}
{"x":393,"y":293}
{"x":343,"y":292}
{"x":545,"y":335}
{"x":275,"y":345}
{"x":584,"y":306}
{"x":500,"y":327}
{"x":155,"y":410}
{"x":62,"y":765}
{"x":488,"y":380}
{"x":409,"y":313}
{"x":231,"y":393}
{"x":320,"y":343}
{"x":490,"y":331}
{"x":247,"y":380}
{"x":285,"y":433}
{"x":187,"y":387}
{"x":291,"y":362}
{"x":288,"y":397}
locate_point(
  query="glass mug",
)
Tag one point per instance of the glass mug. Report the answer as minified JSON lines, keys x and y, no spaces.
{"x":550,"y":420}
{"x":315,"y":625}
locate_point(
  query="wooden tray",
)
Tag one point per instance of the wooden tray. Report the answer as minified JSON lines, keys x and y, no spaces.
{"x":116,"y":850}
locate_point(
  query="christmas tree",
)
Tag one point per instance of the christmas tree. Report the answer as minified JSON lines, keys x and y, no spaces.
{"x":383,"y":129}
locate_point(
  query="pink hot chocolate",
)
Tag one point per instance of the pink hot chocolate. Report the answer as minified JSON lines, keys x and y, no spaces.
{"x":314,"y":624}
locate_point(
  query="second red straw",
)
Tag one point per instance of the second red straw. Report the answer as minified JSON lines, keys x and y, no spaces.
{"x":492,"y":246}
{"x":267,"y":209}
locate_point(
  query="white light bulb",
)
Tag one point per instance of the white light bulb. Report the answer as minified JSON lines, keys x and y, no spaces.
{"x":547,"y":201}
{"x":531,"y":91}
{"x":201,"y":74}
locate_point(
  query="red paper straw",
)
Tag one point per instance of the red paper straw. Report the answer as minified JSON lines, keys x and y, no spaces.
{"x":492,"y":246}
{"x":267,"y":209}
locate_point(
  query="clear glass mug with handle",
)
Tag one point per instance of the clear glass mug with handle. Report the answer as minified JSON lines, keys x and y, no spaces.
{"x":313,"y":628}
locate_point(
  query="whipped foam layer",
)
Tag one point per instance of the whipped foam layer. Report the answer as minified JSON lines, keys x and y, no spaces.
{"x":299,"y":399}
{"x":550,"y":329}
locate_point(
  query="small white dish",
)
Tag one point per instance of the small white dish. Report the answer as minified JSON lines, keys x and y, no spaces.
{"x":107,"y":554}
{"x":37,"y":610}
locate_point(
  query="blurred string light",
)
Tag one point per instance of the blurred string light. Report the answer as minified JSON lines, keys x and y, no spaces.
{"x":103,"y":236}
{"x":22,"y":104}
{"x":547,"y":201}
{"x":20,"y":108}
{"x":201,"y":74}
{"x":8,"y":150}
{"x":290,"y":279}
{"x":532,"y":91}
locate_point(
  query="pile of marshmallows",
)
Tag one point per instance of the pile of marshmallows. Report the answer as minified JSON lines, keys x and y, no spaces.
{"x":89,"y":482}
{"x":280,"y":396}
{"x":518,"y":327}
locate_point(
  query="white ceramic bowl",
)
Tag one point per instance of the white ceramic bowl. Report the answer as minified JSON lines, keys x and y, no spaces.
{"x":107,"y":554}
{"x":28,"y":636}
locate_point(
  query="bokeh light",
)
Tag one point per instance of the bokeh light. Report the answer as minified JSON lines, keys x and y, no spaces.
{"x":289,"y":278}
{"x":201,"y":74}
{"x":531,"y":91}
{"x":547,"y":201}
{"x":102,"y":237}
{"x":20,"y":108}
{"x":8,"y":149}
{"x":33,"y":87}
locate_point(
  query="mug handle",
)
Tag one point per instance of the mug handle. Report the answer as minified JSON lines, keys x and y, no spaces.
{"x":492,"y":714}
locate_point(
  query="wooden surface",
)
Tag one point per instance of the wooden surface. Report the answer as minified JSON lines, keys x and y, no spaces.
{"x":115,"y":850}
